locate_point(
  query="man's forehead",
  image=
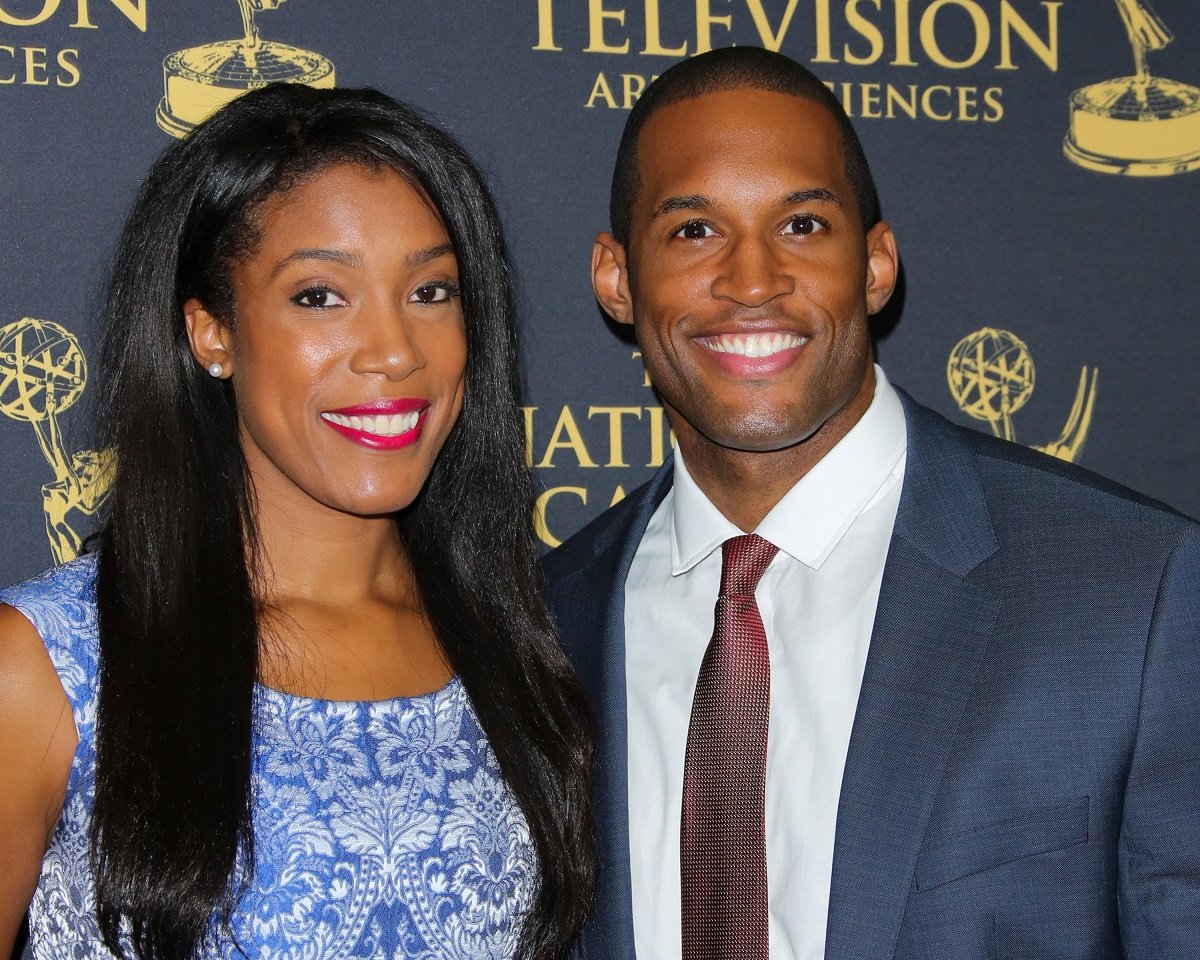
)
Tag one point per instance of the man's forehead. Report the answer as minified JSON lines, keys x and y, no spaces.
{"x":717,"y":110}
{"x":731,"y":132}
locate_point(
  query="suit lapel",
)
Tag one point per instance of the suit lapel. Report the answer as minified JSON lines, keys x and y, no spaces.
{"x":599,"y":617}
{"x":931,"y":630}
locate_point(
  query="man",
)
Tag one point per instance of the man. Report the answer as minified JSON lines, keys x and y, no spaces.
{"x":984,"y":682}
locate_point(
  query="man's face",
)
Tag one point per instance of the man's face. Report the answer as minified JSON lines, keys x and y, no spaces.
{"x":747,"y":276}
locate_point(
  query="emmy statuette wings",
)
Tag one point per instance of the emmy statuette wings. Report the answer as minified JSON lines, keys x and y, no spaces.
{"x":197,"y":81}
{"x":42,"y":374}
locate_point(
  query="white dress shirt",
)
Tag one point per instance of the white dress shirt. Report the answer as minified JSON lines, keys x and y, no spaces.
{"x":817,"y":601}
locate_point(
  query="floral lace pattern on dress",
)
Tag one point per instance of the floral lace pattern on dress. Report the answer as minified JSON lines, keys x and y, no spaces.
{"x":382,"y":829}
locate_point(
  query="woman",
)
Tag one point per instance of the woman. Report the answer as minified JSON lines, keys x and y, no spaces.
{"x":318,"y":707}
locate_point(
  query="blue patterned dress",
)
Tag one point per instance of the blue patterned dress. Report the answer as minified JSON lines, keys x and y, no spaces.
{"x":382,"y":829}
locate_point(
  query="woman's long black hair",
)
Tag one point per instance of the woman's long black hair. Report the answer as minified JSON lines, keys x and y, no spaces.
{"x":172,"y":844}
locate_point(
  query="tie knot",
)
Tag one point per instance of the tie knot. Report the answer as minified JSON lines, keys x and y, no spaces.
{"x":744,"y":560}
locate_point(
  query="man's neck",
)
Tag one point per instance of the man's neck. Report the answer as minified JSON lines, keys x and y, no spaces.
{"x":745,"y":485}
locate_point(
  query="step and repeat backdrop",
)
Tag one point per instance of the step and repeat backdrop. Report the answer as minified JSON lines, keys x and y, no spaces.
{"x":1037,"y":158}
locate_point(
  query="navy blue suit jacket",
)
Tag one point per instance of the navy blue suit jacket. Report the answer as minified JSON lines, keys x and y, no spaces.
{"x":1024,"y":766}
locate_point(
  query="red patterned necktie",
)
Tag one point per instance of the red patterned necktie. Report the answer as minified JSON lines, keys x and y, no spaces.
{"x":723,"y":852}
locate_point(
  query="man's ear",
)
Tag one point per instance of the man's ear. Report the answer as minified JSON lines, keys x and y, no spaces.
{"x":883,"y":266}
{"x":610,"y":278}
{"x":207,"y":337}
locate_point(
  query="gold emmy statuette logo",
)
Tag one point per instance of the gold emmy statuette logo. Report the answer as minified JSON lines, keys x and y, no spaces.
{"x":1142,"y":126}
{"x":200,"y":80}
{"x":990,"y":373}
{"x":42,"y":373}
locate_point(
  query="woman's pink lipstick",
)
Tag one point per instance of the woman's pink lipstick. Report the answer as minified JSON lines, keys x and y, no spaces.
{"x":380,"y":424}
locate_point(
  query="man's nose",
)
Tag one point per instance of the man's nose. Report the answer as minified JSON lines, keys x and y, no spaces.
{"x":752,"y":273}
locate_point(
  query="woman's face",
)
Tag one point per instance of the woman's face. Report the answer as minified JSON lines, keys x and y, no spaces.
{"x":348,"y":349}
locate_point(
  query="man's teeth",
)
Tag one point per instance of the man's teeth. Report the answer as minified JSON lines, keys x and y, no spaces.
{"x":753,"y":344}
{"x":380,"y":424}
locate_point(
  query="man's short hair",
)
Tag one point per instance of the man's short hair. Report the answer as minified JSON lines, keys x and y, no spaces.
{"x":733,"y":68}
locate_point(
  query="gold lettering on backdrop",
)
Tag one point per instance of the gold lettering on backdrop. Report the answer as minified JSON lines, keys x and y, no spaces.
{"x":637,"y":355}
{"x":824,"y":34}
{"x":772,"y":39}
{"x":1045,"y":50}
{"x":632,"y":86}
{"x":616,"y":449}
{"x":601,"y":90}
{"x":35,"y":67}
{"x":30,"y":67}
{"x":903,"y":56}
{"x":869,"y":103}
{"x":1141,"y":126}
{"x":566,"y":428}
{"x":658,"y":420}
{"x":929,"y":39}
{"x":624,"y":428}
{"x":940,"y":102}
{"x":546,"y":26}
{"x":654,"y":44}
{"x":134,"y":12}
{"x":866,"y":29}
{"x":955,"y":35}
{"x":991,"y":376}
{"x":541,"y":510}
{"x":200,"y":80}
{"x":42,"y":374}
{"x":927,"y":99}
{"x":529,"y":412}
{"x":597,"y":15}
{"x":68,"y":61}
{"x":49,"y":8}
{"x":705,"y":21}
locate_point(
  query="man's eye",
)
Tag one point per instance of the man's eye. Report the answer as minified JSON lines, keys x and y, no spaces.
{"x":802,"y":226}
{"x":318,"y":297}
{"x":695,"y":230}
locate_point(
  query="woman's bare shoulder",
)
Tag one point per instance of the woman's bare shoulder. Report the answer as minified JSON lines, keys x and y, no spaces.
{"x":37,"y":745}
{"x":37,"y":731}
{"x":29,"y":683}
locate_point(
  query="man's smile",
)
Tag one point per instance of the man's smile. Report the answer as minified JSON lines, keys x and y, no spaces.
{"x":752,"y":344}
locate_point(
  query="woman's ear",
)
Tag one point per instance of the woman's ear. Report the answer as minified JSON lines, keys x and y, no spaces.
{"x":207,"y":336}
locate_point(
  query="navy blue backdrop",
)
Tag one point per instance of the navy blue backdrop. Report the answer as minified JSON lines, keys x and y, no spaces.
{"x":1050,"y":275}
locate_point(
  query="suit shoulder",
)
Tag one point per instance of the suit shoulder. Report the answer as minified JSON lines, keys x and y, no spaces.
{"x":1071,"y":486}
{"x":1024,"y":479}
{"x":580,"y":548}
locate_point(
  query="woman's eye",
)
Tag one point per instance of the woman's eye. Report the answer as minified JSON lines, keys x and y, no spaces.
{"x":802,"y":226}
{"x":319,"y":298}
{"x":434,"y":293}
{"x":695,"y":230}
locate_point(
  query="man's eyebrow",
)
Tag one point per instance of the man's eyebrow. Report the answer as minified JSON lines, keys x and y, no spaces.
{"x":428,"y":255}
{"x":818,"y":194}
{"x":695,"y":201}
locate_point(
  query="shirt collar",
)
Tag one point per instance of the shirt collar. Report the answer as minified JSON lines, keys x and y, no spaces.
{"x":812,"y":517}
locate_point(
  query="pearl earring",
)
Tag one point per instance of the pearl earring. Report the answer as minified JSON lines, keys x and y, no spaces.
{"x":215,"y":370}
